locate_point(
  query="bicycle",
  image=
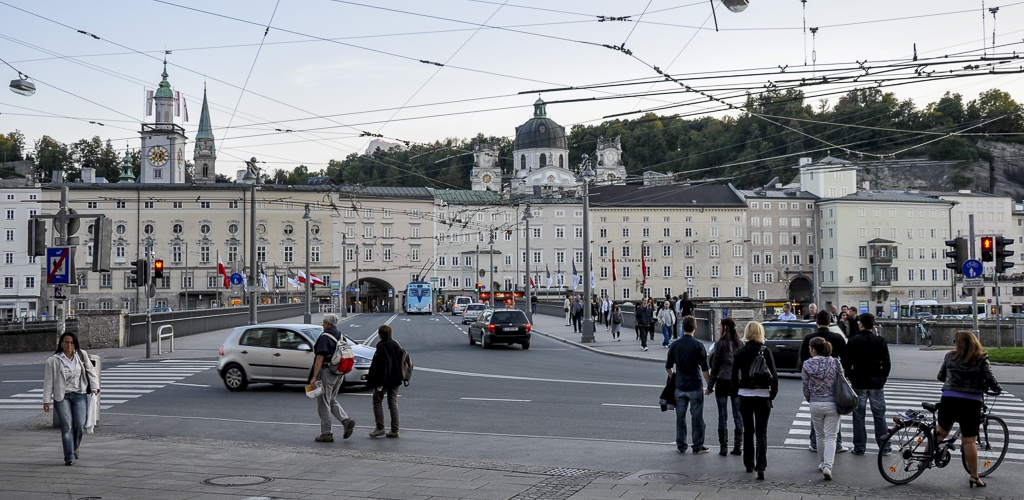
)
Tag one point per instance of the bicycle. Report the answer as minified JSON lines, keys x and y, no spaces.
{"x":915,"y":447}
{"x":926,"y":337}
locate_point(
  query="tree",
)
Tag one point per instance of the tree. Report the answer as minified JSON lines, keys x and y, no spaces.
{"x":11,"y":146}
{"x":53,"y":155}
{"x":993,"y":104}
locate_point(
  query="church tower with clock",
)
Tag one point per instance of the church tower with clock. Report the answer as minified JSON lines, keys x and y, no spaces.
{"x":163,"y":142}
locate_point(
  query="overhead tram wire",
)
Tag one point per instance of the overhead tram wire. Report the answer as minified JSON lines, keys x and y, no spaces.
{"x":255,"y":58}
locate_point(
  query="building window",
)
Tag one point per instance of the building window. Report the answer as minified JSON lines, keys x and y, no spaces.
{"x":714,"y":251}
{"x":121,"y":204}
{"x":414,"y":253}
{"x":666,"y":250}
{"x":105,"y":280}
{"x":385,"y":254}
{"x":738,"y":291}
{"x":261,"y":254}
{"x":368,"y":254}
{"x":714,"y":292}
{"x":863,"y":274}
{"x":30,"y":282}
{"x":737,"y":271}
{"x":714,"y":271}
{"x":666,"y":271}
{"x":625,"y":252}
{"x":10,"y":235}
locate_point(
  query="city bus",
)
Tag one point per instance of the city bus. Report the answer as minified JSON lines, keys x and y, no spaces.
{"x":939,"y":310}
{"x":419,"y":298}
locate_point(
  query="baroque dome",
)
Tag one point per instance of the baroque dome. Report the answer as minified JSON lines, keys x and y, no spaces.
{"x":540,"y":132}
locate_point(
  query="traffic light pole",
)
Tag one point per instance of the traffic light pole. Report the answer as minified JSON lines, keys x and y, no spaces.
{"x":148,"y":279}
{"x":974,"y":291}
{"x":62,"y":223}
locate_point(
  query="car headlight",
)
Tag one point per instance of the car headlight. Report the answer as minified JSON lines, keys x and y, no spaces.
{"x":359,"y":360}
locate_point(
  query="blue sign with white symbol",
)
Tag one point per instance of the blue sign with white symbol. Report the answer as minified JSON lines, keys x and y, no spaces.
{"x":236,"y":279}
{"x":972,"y":268}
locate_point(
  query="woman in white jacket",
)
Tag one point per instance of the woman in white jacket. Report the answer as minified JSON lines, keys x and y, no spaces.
{"x":69,"y":377}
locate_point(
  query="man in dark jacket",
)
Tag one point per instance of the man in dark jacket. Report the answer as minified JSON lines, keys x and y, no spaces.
{"x":327,"y":403}
{"x":823,"y":319}
{"x":385,"y":376}
{"x":688,"y":360}
{"x":641,"y":317}
{"x":867,"y":365}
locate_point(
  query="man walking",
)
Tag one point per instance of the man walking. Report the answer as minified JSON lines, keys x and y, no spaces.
{"x":787,"y":313}
{"x":867,"y":365}
{"x":812,"y":311}
{"x":385,"y":376}
{"x":327,"y":403}
{"x":567,"y":306}
{"x":689,"y":359}
{"x":642,"y":316}
{"x":577,"y":315}
{"x":823,"y":319}
{"x":606,"y":310}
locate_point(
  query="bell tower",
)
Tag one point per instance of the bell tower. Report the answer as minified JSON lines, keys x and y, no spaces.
{"x":205,"y":156}
{"x":163,"y":142}
{"x":486,"y":175}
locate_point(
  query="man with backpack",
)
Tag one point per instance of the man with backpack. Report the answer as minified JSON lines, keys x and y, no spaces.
{"x":327,"y":403}
{"x":385,"y":376}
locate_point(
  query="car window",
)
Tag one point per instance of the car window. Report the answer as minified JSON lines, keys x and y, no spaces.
{"x":313,"y":333}
{"x":778,"y":332}
{"x":463,"y":300}
{"x":475,"y":307}
{"x":484,"y":316}
{"x":509,"y":317}
{"x":257,"y":337}
{"x":288,"y":339}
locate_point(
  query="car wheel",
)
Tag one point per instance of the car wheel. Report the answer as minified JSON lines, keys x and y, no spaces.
{"x":234,"y":378}
{"x":471,"y":340}
{"x":526,"y":345}
{"x":486,"y":344}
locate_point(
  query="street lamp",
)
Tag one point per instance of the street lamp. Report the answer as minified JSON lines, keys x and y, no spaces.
{"x":344,"y":278}
{"x":307,"y":317}
{"x":527,"y":215}
{"x":585,"y":177}
{"x":252,"y":179}
{"x":491,"y":284}
{"x":357,"y":309}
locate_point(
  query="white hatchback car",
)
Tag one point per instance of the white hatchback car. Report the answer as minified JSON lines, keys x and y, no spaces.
{"x":279,"y":354}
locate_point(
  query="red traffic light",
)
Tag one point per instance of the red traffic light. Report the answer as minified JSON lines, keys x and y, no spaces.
{"x":987,"y":247}
{"x":158,"y":269}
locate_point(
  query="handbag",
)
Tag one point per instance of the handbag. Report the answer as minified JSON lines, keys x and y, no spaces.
{"x":845,"y":397}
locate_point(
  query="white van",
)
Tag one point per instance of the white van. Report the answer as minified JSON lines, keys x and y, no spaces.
{"x":459,"y":305}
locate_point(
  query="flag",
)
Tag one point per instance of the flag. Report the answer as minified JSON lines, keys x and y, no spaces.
{"x":222,"y":270}
{"x":177,"y":103}
{"x":184,"y":105}
{"x":293,"y":282}
{"x":531,"y":282}
{"x":314,"y":279}
{"x":593,"y":282}
{"x":149,"y":103}
{"x":614,"y":278}
{"x":575,"y":276}
{"x":548,"y":271}
{"x":643,"y":268}
{"x":560,"y":280}
{"x":263,"y":281}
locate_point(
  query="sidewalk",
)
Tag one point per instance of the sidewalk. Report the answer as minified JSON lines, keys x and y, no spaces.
{"x":908,"y":362}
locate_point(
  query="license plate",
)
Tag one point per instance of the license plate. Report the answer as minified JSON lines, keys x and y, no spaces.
{"x":510,"y":329}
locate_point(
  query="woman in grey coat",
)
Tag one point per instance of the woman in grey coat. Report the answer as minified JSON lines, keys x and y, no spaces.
{"x":68,"y":378}
{"x":721,"y":383}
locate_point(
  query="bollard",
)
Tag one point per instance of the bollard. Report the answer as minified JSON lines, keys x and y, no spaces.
{"x":96,"y":362}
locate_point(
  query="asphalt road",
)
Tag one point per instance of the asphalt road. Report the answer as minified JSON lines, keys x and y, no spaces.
{"x":553,"y":404}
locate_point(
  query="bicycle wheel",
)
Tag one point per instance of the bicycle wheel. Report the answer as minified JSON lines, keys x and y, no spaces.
{"x":909,"y":457}
{"x":993,"y":440}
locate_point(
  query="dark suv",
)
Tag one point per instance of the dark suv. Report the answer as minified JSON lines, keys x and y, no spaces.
{"x":784,"y":338}
{"x":500,"y":326}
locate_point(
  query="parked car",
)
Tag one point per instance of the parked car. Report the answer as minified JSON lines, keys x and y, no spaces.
{"x":500,"y":326}
{"x":784,"y":338}
{"x":162,"y":309}
{"x":279,"y":354}
{"x":459,"y":304}
{"x":472,"y":311}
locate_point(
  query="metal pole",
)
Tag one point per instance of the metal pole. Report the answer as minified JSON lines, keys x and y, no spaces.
{"x":252,"y":251}
{"x":588,"y":320}
{"x":307,"y":317}
{"x":476,"y":271}
{"x":62,"y":224}
{"x":357,"y":308}
{"x":490,"y":286}
{"x":999,"y":310}
{"x":526,"y":216}
{"x":344,"y":278}
{"x":149,"y":295}
{"x":974,"y":291}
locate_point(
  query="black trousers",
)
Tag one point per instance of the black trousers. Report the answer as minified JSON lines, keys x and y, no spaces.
{"x":755,"y":412}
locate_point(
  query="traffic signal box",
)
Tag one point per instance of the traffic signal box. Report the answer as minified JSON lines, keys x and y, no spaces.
{"x":960,"y":252}
{"x":158,"y":269}
{"x":1001,"y":254}
{"x":987,"y":248}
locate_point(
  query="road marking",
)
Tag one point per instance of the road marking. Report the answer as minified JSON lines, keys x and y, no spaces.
{"x":392,"y":318}
{"x":25,"y":381}
{"x":190,"y":385}
{"x":355,"y":326}
{"x":630,"y":406}
{"x":498,"y":399}
{"x":535,"y":379}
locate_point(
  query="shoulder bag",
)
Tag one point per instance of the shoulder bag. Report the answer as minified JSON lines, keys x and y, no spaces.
{"x":845,"y":397}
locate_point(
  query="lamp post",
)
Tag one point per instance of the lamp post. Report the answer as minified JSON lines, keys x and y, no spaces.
{"x":527,"y":215}
{"x":252,"y":178}
{"x":344,"y":278}
{"x":307,"y":317}
{"x":357,"y":308}
{"x":491,"y":274}
{"x":585,"y":178}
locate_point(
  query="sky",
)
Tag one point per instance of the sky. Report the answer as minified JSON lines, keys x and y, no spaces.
{"x":326,"y":72}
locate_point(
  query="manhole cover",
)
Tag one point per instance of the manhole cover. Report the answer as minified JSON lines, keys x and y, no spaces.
{"x":665,"y":477}
{"x":244,"y":480}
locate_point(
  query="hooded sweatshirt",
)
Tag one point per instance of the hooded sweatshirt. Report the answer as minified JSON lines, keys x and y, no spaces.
{"x":819,"y":379}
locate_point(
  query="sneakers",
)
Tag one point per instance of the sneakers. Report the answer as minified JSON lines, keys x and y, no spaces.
{"x":325,"y":438}
{"x":392,"y":434}
{"x":827,"y":472}
{"x":645,"y":348}
{"x":884,"y":453}
{"x":702,"y":449}
{"x":681,"y":450}
{"x":376,"y":433}
{"x":760,"y":475}
{"x":858,"y":453}
{"x":842,"y":449}
{"x":813,"y":449}
{"x":350,"y":426}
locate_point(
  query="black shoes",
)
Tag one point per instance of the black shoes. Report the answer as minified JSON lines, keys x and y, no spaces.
{"x":760,"y":475}
{"x":350,"y":425}
{"x":69,"y":462}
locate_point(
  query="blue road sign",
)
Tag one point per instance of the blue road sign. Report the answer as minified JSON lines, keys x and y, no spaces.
{"x":351,"y":290}
{"x":236,"y":279}
{"x":58,"y":265}
{"x":972,"y":268}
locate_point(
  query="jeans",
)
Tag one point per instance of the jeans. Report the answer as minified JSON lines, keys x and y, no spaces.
{"x":826,"y":425}
{"x":695,"y":400}
{"x":378,"y":407}
{"x":72,"y":412}
{"x":860,"y":434}
{"x":577,"y":323}
{"x":755,"y":411}
{"x":641,"y":331}
{"x":814,"y":439}
{"x":666,"y":331}
{"x":723,"y":387}
{"x":327,"y":404}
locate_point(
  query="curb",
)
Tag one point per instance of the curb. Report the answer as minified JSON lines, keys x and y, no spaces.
{"x":596,"y":350}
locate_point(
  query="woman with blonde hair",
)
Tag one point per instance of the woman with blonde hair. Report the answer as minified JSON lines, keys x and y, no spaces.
{"x":757,"y":383}
{"x":966,"y":375}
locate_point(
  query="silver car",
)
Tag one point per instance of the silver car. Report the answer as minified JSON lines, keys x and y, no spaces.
{"x":471,"y":312}
{"x":279,"y":354}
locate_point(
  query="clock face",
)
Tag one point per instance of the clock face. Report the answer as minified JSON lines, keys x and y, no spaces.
{"x":609,"y":158}
{"x":157,"y":155}
{"x":486,"y":178}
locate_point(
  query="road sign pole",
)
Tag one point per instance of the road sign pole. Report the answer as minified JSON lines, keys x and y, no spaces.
{"x":149,"y":297}
{"x":974,"y":291}
{"x":62,"y":225}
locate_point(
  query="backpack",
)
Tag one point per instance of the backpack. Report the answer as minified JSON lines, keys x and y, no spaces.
{"x":406,"y":368}
{"x":760,"y":375}
{"x":617,"y":317}
{"x":343,"y":359}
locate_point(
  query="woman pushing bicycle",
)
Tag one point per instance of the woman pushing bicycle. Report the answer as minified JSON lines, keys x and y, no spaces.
{"x":967,"y":375}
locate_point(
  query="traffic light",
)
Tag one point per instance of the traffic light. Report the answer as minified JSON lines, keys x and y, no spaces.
{"x":36,"y":237}
{"x":101,"y":245}
{"x":158,"y":269}
{"x":141,"y":272}
{"x":987,"y":248}
{"x":959,"y":253}
{"x":1002,"y":253}
{"x":479,"y":287}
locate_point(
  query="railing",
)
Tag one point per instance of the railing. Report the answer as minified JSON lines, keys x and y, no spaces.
{"x":160,"y":336}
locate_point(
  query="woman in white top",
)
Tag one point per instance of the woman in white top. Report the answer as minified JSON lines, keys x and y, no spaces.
{"x":69,"y":376}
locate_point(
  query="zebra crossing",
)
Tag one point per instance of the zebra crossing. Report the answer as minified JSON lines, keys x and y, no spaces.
{"x":901,"y":396}
{"x":123,"y":383}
